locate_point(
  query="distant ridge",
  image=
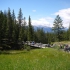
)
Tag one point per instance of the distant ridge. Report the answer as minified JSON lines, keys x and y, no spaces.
{"x":45,"y":28}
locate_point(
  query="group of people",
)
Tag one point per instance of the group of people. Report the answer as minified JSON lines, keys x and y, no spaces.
{"x":65,"y":47}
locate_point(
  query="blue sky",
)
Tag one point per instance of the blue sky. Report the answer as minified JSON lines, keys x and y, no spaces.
{"x":41,"y":11}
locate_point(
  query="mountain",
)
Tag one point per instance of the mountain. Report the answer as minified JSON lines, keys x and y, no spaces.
{"x":45,"y":28}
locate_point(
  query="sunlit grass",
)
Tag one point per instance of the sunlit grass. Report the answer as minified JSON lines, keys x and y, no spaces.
{"x":62,"y":42}
{"x":39,"y":59}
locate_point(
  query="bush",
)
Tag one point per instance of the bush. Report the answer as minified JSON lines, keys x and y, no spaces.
{"x":27,"y":47}
{"x":6,"y":47}
{"x":56,"y":47}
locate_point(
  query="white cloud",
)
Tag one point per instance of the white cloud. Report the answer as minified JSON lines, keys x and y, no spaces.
{"x":42,"y":22}
{"x":65,"y":15}
{"x":34,"y":10}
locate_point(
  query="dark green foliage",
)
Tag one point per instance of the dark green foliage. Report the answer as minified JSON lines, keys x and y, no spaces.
{"x":1,"y":26}
{"x":24,"y":30}
{"x":20,"y":17}
{"x":30,"y":30}
{"x":13,"y":26}
{"x":40,"y":36}
{"x":58,"y":27}
{"x":10,"y":25}
{"x":26,"y":47}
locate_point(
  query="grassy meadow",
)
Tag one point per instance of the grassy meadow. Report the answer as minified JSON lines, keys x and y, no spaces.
{"x":38,"y":59}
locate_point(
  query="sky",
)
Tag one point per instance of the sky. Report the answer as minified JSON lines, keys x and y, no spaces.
{"x":42,"y":12}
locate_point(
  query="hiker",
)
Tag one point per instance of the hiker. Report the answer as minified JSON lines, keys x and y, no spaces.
{"x":33,"y":42}
{"x":66,"y":48}
{"x":49,"y":45}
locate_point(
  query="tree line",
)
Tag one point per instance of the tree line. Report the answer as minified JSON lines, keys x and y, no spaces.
{"x":14,"y":30}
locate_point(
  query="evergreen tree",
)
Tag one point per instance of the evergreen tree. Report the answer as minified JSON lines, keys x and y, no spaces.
{"x":30,"y":30}
{"x":10,"y":26}
{"x":58,"y":27}
{"x":49,"y":37}
{"x":23,"y":30}
{"x":41,"y":35}
{"x":1,"y":26}
{"x":14,"y":26}
{"x":5,"y":25}
{"x":13,"y":16}
{"x":20,"y":18}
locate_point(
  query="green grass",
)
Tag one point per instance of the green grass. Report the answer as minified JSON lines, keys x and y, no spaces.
{"x":39,"y":59}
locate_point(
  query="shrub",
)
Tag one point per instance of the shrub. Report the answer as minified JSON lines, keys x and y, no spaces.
{"x":27,"y":47}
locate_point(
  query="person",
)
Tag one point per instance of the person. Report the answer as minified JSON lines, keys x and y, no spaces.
{"x":33,"y":42}
{"x":66,"y":48}
{"x":49,"y":45}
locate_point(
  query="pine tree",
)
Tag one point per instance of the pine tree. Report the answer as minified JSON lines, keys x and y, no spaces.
{"x":23,"y":30}
{"x":30,"y":30}
{"x":41,"y":37}
{"x":10,"y":26}
{"x":20,"y":18}
{"x":14,"y":26}
{"x":58,"y":27}
{"x":5,"y":25}
{"x":1,"y":27}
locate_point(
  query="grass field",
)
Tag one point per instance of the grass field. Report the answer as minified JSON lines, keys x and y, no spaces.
{"x":38,"y":59}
